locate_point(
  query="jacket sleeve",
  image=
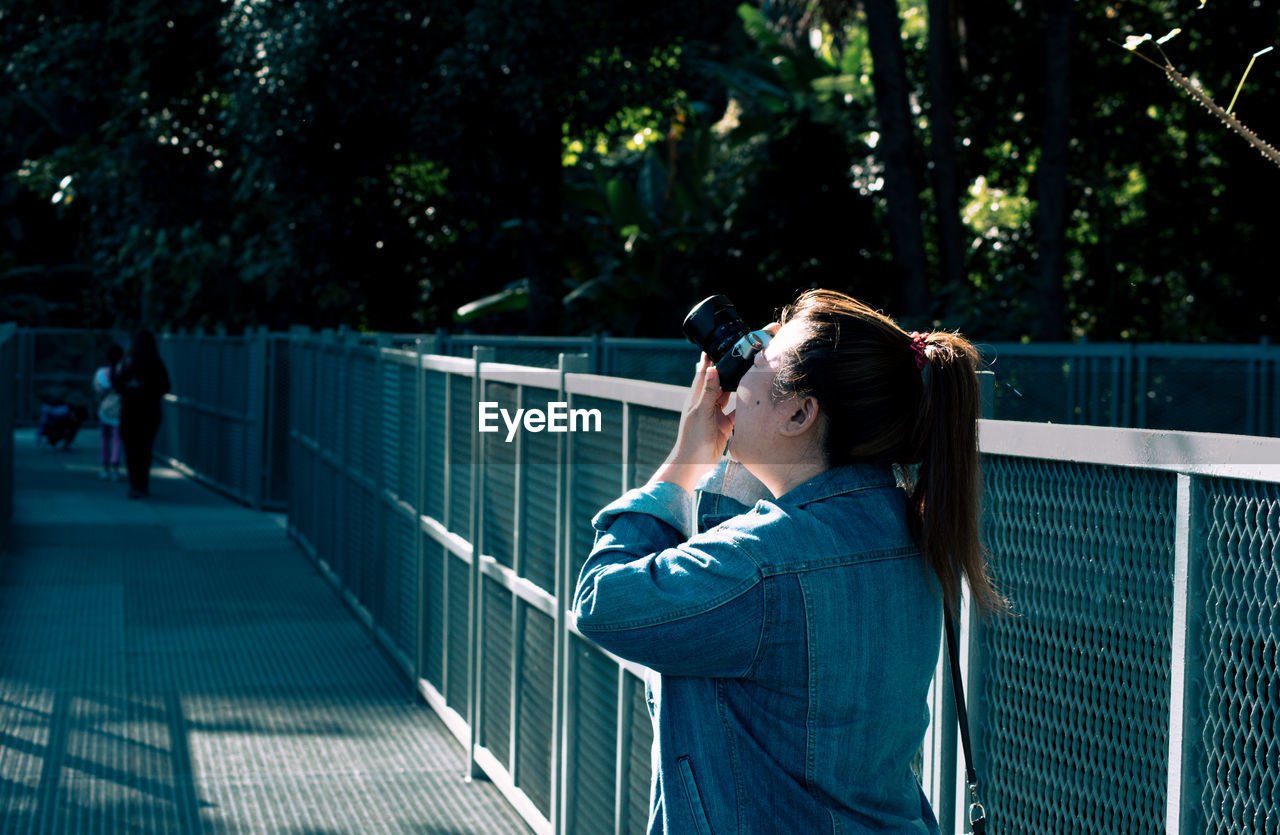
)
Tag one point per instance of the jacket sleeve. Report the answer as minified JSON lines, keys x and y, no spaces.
{"x":680,"y":605}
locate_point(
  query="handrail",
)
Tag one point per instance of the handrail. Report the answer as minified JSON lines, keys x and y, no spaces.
{"x":1112,"y":496}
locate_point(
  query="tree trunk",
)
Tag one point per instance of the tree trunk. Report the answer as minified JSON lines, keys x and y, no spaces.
{"x":942,"y":121}
{"x":1051,"y":178}
{"x":906,"y":236}
{"x":542,"y":230}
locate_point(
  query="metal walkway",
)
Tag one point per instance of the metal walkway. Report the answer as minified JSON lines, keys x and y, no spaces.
{"x":177,"y":665}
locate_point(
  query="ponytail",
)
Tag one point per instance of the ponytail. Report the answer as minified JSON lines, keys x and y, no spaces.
{"x":895,"y":398}
{"x":946,"y":498}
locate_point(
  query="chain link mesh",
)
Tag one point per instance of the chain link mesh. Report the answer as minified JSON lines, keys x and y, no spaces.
{"x":1070,"y":700}
{"x":8,"y":370}
{"x":1239,"y":630}
{"x":1073,"y":698}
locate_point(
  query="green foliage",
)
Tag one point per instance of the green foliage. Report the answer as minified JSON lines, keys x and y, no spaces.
{"x":1157,"y":188}
{"x":750,"y":194}
{"x":382,"y":164}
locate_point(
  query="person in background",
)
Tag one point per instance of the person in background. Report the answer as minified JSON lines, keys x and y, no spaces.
{"x":109,"y":414}
{"x":142,"y":381}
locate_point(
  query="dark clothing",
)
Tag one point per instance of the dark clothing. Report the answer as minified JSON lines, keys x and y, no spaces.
{"x":142,"y":387}
{"x":138,"y":434}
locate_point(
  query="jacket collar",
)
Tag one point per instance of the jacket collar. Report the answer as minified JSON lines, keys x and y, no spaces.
{"x":838,"y":481}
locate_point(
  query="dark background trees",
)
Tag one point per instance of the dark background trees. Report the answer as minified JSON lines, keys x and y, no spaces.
{"x":1007,"y":168}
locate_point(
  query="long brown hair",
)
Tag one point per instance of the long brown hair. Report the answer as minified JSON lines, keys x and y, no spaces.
{"x":894,"y":398}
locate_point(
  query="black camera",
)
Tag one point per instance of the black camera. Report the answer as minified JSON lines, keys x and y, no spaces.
{"x":715,"y":326}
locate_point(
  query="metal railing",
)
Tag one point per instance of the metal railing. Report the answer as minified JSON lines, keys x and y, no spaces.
{"x":1218,"y":388}
{"x":8,"y":371}
{"x":1232,"y":389}
{"x":458,"y":547}
{"x":225,"y":417}
{"x":56,"y":365}
{"x":225,"y":420}
{"x":1136,"y":690}
{"x":1136,"y":683}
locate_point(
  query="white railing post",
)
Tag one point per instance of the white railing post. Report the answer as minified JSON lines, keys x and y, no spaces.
{"x":1183,"y":796}
{"x":419,"y":506}
{"x":561,"y":764}
{"x":475,"y":622}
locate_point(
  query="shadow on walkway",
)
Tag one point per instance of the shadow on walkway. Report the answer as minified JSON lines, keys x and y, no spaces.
{"x":176,"y":664}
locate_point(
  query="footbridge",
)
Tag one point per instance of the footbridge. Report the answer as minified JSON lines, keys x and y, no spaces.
{"x":344,"y":610}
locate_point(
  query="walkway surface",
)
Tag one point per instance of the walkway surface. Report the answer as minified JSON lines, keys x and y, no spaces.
{"x":177,"y":665}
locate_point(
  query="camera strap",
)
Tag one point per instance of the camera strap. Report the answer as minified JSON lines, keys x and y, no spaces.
{"x":977,"y":814}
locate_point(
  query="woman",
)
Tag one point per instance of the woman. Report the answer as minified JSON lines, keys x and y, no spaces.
{"x":142,"y":381}
{"x":793,"y":637}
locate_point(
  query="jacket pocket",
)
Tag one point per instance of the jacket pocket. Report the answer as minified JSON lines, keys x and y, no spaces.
{"x":692,"y":797}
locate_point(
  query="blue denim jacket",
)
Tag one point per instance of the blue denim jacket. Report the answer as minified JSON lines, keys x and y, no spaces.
{"x":791,"y":642}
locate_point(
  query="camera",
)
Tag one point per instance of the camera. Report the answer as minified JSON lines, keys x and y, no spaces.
{"x":715,"y":326}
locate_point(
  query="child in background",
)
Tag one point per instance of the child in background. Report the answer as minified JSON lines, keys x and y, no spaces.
{"x":109,"y":414}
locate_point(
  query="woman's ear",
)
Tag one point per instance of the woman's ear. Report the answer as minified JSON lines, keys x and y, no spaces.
{"x":804,"y":416}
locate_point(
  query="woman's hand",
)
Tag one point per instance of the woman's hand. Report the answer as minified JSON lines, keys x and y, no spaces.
{"x":704,"y":430}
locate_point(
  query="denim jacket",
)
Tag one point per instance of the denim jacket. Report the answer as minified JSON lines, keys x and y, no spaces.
{"x":791,"y":645}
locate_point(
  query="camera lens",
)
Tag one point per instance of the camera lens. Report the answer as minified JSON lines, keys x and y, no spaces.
{"x":715,"y":326}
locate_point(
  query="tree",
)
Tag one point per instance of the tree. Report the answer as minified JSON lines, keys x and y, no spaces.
{"x":1051,"y":174}
{"x":897,"y":152}
{"x":381,"y":164}
{"x":944,"y":25}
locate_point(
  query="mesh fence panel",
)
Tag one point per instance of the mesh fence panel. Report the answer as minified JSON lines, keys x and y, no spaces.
{"x":500,"y":480}
{"x":655,"y":434}
{"x":1238,"y":709}
{"x":495,"y":724}
{"x":216,"y":421}
{"x":462,"y":413}
{"x":597,"y":477}
{"x":406,"y":467}
{"x":8,"y":412}
{"x":535,"y":706}
{"x":391,"y":395}
{"x":435,"y":440}
{"x":1033,"y":389}
{"x":433,"y":612}
{"x":1074,"y":694}
{"x":593,"y":739}
{"x":1198,"y":395}
{"x":402,"y":582}
{"x":231,"y":469}
{"x":280,"y":397}
{"x":366,"y":555}
{"x":637,"y":762}
{"x":536,"y":352}
{"x":1071,"y":698}
{"x":538,"y":536}
{"x":457,"y":688}
{"x":328,"y":398}
{"x":232,"y":393}
{"x":668,"y":361}
{"x":56,"y":366}
{"x":365,"y":414}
